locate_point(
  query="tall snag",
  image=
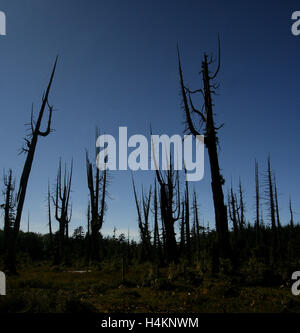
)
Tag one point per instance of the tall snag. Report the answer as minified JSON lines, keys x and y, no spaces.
{"x":49,"y":220}
{"x":88,"y":234}
{"x":143,"y":221}
{"x":182,"y":244}
{"x":291,"y":214}
{"x":29,"y":150}
{"x":196,"y":226}
{"x":98,"y":191}
{"x":242,"y":221}
{"x":272,"y":211}
{"x":63,"y":209}
{"x":233,"y":214}
{"x":170,"y":210}
{"x":187,"y":222}
{"x":156,"y":236}
{"x":257,"y":203}
{"x":9,"y":217}
{"x":276,"y":203}
{"x":270,"y":196}
{"x":211,"y":143}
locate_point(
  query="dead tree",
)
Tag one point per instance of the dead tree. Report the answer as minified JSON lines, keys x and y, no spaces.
{"x":257,"y":203}
{"x":49,"y":220}
{"x":233,"y":214}
{"x":272,"y":211}
{"x":291,"y":214}
{"x":187,"y":222}
{"x":279,"y":236}
{"x":196,"y":225}
{"x":170,"y":209}
{"x":63,"y":209}
{"x":276,"y":204}
{"x":88,"y":234}
{"x":211,"y":142}
{"x":242,"y":221}
{"x":182,"y":244}
{"x":143,"y":209}
{"x":270,"y":196}
{"x":156,"y":236}
{"x":9,"y":218}
{"x":29,"y":150}
{"x":98,"y":191}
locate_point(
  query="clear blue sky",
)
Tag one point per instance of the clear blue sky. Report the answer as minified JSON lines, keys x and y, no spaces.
{"x":118,"y":67}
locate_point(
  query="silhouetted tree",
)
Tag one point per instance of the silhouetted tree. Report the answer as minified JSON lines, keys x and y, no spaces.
{"x":196,"y":226}
{"x":211,"y":141}
{"x":63,"y":209}
{"x":257,"y":203}
{"x":182,"y":244}
{"x":88,"y":234}
{"x":272,"y":212}
{"x":29,"y":150}
{"x":98,"y":192}
{"x":170,"y":209}
{"x":49,"y":220}
{"x":276,"y":204}
{"x":187,"y":222}
{"x":270,"y":196}
{"x":242,"y":221}
{"x":156,"y":239}
{"x":233,"y":214}
{"x":9,"y":218}
{"x":291,"y":214}
{"x":143,"y":210}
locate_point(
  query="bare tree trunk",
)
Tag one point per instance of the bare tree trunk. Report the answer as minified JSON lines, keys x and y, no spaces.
{"x":278,"y":232}
{"x":49,"y":220}
{"x":170,"y":210}
{"x":156,"y":242}
{"x":187,"y":222}
{"x":271,"y":197}
{"x":242,"y":221}
{"x":182,"y":245}
{"x":211,"y":142}
{"x":9,"y":216}
{"x":196,"y":226}
{"x":257,"y":200}
{"x":270,"y":192}
{"x":63,"y":209}
{"x":291,"y":214}
{"x":276,"y":204}
{"x":97,"y":203}
{"x":88,"y":235}
{"x":233,"y":214}
{"x":30,"y":151}
{"x":143,"y":222}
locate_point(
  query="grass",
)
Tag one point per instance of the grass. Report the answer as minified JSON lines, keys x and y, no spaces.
{"x":46,"y":289}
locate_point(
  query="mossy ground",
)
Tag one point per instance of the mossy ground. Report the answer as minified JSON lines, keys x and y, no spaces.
{"x":45,"y":289}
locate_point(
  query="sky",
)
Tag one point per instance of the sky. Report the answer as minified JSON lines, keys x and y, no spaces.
{"x":118,"y":67}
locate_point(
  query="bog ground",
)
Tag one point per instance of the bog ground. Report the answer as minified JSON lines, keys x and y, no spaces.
{"x":44,"y":289}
